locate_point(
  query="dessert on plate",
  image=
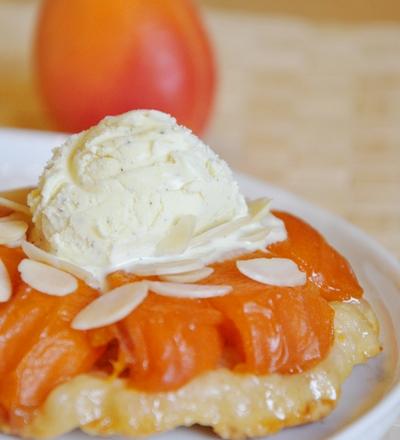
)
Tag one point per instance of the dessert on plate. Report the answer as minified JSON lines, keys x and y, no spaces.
{"x":140,"y":291}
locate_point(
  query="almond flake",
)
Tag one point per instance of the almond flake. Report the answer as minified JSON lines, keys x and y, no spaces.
{"x":257,"y":235}
{"x":221,"y":231}
{"x":12,"y":231}
{"x":273,"y":271}
{"x":179,"y":290}
{"x":15,"y":206}
{"x":189,"y":277}
{"x":37,"y":254}
{"x":178,"y":236}
{"x":5,"y":283}
{"x":47,"y":279}
{"x":111,"y":307}
{"x":259,"y":208}
{"x":173,"y":267}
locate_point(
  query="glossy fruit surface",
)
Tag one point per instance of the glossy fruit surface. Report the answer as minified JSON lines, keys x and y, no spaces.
{"x":272,"y":329}
{"x":38,"y":347}
{"x":325,"y":266}
{"x":169,"y":341}
{"x":98,"y":58}
{"x":11,"y":257}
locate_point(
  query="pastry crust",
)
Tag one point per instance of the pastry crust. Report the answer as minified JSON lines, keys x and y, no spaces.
{"x":235,"y":405}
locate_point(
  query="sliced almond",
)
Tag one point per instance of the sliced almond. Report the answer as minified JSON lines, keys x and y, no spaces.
{"x":12,"y":231}
{"x":172,"y":267}
{"x":37,"y":254}
{"x":189,"y":277}
{"x":111,"y":307}
{"x":179,"y":290}
{"x":178,"y":237}
{"x":259,"y":208}
{"x":5,"y":283}
{"x":47,"y":279}
{"x":14,"y":206}
{"x":220,"y":231}
{"x":273,"y":271}
{"x":257,"y":235}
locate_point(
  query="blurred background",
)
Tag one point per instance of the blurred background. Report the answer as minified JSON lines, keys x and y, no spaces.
{"x":307,"y":95}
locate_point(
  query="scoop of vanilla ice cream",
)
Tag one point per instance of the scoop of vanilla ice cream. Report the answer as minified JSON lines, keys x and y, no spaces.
{"x":110,"y":194}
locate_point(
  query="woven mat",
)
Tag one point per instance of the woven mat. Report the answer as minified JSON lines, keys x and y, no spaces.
{"x":315,"y":109}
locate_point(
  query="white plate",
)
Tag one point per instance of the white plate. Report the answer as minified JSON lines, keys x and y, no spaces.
{"x":370,"y":402}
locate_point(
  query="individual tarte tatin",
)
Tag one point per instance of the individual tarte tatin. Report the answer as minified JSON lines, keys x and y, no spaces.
{"x":140,"y":291}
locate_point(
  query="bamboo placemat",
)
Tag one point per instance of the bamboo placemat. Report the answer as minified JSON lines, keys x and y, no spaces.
{"x":315,"y":109}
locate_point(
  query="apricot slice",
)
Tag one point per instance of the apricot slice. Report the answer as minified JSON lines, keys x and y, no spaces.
{"x":283,"y":330}
{"x":164,"y":342}
{"x":11,"y":258}
{"x":21,"y":321}
{"x":39,"y":349}
{"x":325,"y":267}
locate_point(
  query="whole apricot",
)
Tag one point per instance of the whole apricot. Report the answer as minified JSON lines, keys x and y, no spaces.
{"x":98,"y":57}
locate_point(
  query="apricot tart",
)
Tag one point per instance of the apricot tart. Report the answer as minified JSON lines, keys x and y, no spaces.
{"x":247,"y":346}
{"x":140,"y":291}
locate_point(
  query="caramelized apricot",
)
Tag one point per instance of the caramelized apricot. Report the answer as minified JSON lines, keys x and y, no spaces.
{"x":282,"y":330}
{"x":38,"y":347}
{"x":5,"y":211}
{"x":164,"y":342}
{"x":11,"y":258}
{"x":325,"y":267}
